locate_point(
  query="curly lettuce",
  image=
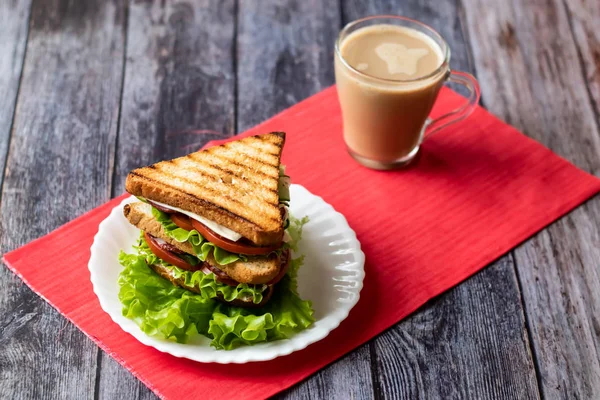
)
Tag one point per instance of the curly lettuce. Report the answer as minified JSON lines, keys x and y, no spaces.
{"x":157,"y":306}
{"x":285,"y":314}
{"x":294,"y":230}
{"x":164,"y":310}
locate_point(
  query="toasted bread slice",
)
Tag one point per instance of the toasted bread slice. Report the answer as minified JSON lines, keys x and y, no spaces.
{"x":140,"y":215}
{"x":256,"y":270}
{"x":168,"y":275}
{"x":234,"y":184}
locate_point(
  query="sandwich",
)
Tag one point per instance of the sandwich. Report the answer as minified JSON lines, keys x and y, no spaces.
{"x":215,"y":231}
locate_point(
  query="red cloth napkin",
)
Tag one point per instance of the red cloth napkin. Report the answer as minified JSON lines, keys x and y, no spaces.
{"x":479,"y":189}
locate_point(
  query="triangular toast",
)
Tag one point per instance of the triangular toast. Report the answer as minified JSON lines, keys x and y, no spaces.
{"x":233,"y":184}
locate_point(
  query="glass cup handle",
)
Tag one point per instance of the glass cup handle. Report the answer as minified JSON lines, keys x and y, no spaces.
{"x":462,"y":112}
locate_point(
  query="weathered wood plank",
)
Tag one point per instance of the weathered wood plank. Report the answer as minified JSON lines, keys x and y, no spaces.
{"x":14,"y":23}
{"x":584,"y":17}
{"x":530,"y":72}
{"x":472,"y":341}
{"x":285,"y":54}
{"x":347,"y":378}
{"x":179,"y":76}
{"x":59,"y":165}
{"x":467,"y":344}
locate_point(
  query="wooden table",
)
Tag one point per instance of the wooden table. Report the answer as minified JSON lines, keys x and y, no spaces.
{"x":91,"y":89}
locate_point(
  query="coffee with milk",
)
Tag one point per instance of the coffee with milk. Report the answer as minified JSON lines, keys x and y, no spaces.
{"x":388,"y":78}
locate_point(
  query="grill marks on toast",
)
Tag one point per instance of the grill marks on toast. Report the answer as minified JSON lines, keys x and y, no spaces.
{"x":240,"y":178}
{"x":181,"y":182}
{"x":254,"y":150}
{"x":247,"y":161}
{"x":264,"y":147}
{"x":190,"y":196}
{"x":221,"y":195}
{"x":218,"y":168}
{"x":238,"y":170}
{"x":221,"y":182}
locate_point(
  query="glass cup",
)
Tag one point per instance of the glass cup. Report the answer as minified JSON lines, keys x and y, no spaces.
{"x":386,"y":120}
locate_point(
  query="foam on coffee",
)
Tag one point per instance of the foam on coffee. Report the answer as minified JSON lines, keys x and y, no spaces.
{"x":391,"y":52}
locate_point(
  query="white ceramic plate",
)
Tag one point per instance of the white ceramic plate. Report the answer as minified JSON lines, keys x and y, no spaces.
{"x":331,"y":277}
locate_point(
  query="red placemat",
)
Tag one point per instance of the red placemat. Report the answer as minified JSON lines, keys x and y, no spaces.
{"x":479,"y":189}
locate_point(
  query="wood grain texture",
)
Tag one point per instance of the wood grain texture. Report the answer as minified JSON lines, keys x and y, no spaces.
{"x":285,"y":54}
{"x":584,"y":18}
{"x":14,"y":24}
{"x":59,"y":165}
{"x":531,"y":76}
{"x":178,"y":93}
{"x":471,"y":342}
{"x":347,"y":378}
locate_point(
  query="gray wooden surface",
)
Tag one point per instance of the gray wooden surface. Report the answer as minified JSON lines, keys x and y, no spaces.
{"x":91,"y":89}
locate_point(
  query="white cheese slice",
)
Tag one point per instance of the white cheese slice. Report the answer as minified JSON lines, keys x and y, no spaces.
{"x":217,"y":228}
{"x":160,"y":241}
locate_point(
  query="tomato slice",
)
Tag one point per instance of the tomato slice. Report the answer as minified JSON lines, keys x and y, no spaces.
{"x":182,"y":221}
{"x":167,"y":256}
{"x":229,"y":245}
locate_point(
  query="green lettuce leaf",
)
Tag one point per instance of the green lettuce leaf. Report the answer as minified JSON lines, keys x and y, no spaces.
{"x":284,"y":315}
{"x":201,"y":246}
{"x":159,"y":307}
{"x":294,"y":229}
